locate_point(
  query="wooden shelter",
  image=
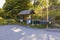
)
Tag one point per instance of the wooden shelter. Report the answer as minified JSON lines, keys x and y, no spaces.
{"x":26,"y":15}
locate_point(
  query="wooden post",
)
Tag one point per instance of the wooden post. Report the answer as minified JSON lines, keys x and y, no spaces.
{"x":47,"y":12}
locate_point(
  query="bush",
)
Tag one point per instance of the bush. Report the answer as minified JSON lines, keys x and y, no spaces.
{"x":58,"y":21}
{"x":11,"y":21}
{"x":2,"y":21}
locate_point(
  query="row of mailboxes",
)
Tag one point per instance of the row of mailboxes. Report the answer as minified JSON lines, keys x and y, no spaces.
{"x":35,"y":22}
{"x":38,"y":22}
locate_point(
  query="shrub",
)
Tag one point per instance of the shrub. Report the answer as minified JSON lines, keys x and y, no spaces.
{"x":11,"y":21}
{"x":58,"y":21}
{"x":2,"y":21}
{"x":39,"y":26}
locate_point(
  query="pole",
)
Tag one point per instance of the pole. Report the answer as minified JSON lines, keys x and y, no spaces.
{"x":47,"y":12}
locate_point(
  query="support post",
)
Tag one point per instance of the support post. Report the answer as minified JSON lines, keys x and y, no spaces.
{"x":47,"y":12}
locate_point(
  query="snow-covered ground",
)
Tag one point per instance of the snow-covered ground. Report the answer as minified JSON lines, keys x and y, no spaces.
{"x":17,"y":32}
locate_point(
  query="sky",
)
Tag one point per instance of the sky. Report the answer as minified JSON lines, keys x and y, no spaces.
{"x":2,"y":3}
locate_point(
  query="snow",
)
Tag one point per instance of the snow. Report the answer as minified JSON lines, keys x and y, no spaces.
{"x":17,"y":32}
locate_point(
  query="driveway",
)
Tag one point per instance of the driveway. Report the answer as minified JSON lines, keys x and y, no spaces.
{"x":17,"y":32}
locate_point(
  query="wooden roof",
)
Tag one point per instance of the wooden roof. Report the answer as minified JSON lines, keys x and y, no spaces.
{"x":26,"y":12}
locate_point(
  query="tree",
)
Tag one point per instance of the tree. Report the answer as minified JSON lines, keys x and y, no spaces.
{"x":53,"y":3}
{"x":15,"y":6}
{"x":39,"y":5}
{"x":2,"y":13}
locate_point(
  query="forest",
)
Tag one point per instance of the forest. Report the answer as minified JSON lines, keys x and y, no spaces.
{"x":11,"y":8}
